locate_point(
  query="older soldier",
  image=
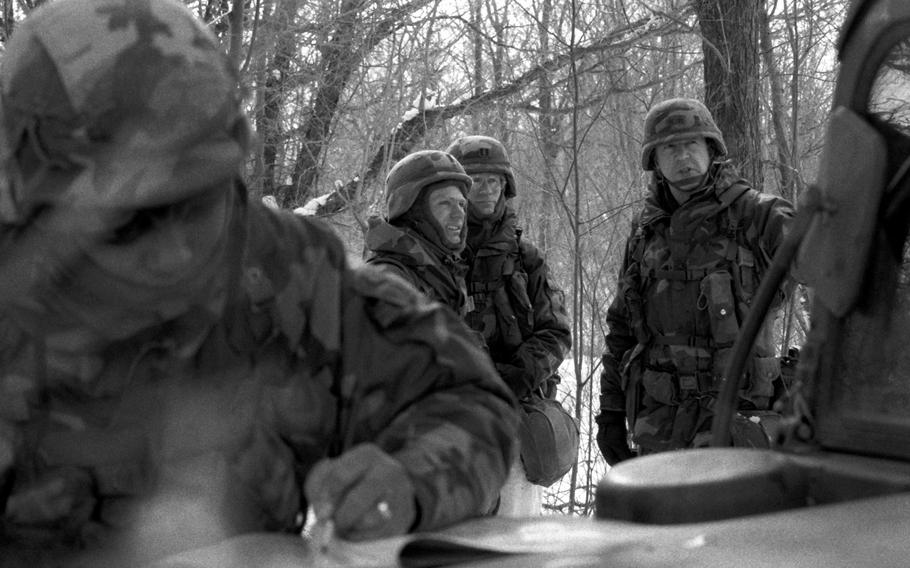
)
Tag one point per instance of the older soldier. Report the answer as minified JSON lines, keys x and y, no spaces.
{"x":178,"y":362}
{"x":514,"y":305}
{"x":425,"y":232}
{"x":692,"y":266}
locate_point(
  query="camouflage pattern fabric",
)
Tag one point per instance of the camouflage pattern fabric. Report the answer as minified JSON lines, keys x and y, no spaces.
{"x":484,"y":155}
{"x":687,"y":281}
{"x":172,"y":441}
{"x":437,"y":273}
{"x":171,"y":128}
{"x":677,"y":119}
{"x":174,"y":361}
{"x":514,"y":305}
{"x":133,"y":120}
{"x":416,"y":171}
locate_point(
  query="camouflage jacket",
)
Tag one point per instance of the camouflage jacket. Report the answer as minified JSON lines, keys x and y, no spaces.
{"x":230,"y":421}
{"x":686,"y":283}
{"x":438,"y":275}
{"x":514,"y":306}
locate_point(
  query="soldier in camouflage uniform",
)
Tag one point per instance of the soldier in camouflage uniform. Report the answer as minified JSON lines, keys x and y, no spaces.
{"x":692,"y":266}
{"x":179,"y":363}
{"x":425,"y":232}
{"x":513,"y":304}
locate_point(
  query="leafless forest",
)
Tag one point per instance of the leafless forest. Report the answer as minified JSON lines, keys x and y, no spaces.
{"x":338,"y":90}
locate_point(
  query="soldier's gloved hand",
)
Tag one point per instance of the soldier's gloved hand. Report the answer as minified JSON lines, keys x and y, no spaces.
{"x":612,"y":437}
{"x":62,"y":497}
{"x":515,"y":377}
{"x":367,"y":493}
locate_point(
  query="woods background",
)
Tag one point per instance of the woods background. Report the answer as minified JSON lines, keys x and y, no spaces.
{"x":339,"y":90}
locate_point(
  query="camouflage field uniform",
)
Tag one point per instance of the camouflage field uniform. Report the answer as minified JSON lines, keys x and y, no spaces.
{"x":408,"y":243}
{"x":520,"y":315}
{"x":208,"y":396}
{"x":120,"y":424}
{"x":512,"y":305}
{"x":436,"y":273}
{"x":687,"y":280}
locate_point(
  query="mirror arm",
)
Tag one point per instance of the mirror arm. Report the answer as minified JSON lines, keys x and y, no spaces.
{"x":810,"y":206}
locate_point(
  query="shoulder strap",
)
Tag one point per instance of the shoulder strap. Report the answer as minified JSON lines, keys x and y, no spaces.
{"x":521,"y":260}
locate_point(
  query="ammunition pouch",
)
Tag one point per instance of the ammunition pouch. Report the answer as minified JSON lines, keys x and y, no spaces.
{"x":716,"y":296}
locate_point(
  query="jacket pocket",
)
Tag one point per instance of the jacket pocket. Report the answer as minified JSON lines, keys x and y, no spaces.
{"x":660,"y":385}
{"x":716,"y":296}
{"x":764,"y":371}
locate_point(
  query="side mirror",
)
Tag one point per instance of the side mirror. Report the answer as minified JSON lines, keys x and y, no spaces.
{"x":834,"y":255}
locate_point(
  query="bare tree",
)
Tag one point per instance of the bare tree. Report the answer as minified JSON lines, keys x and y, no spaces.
{"x":730,"y":29}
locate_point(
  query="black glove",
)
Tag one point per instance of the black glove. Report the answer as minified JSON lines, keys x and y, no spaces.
{"x":516,"y":378}
{"x":612,"y":437}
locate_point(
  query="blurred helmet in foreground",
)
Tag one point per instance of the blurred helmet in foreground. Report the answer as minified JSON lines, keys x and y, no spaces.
{"x":126,"y":103}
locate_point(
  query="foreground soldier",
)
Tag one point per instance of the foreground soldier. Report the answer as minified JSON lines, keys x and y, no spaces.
{"x":692,"y":266}
{"x":425,"y":232}
{"x":513,"y":304}
{"x":178,"y":363}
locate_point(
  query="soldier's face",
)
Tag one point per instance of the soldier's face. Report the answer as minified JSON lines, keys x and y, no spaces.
{"x":128,"y":271}
{"x":447,"y":206}
{"x":485,"y":192}
{"x":683,"y":162}
{"x":161,"y":245}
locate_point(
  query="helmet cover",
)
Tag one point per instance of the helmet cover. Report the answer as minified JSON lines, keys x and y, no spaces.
{"x":416,"y":171}
{"x":130,"y":102}
{"x":675,"y":119}
{"x":482,"y":154}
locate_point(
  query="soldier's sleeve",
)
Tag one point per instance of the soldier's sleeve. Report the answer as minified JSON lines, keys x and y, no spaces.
{"x":770,"y":220}
{"x":415,"y":383}
{"x":402,"y":373}
{"x":392,"y":267}
{"x":541,"y":354}
{"x":619,"y":339}
{"x":771,"y":217}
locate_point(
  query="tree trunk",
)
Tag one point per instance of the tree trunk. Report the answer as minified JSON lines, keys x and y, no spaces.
{"x":730,"y":40}
{"x":477,"y":43}
{"x":340,"y":58}
{"x":778,"y":115}
{"x":548,"y":126}
{"x":268,"y":120}
{"x":235,"y":51}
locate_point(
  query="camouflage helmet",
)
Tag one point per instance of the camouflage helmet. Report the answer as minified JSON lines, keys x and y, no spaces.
{"x":482,"y":154}
{"x":674,"y":119}
{"x":126,"y":103}
{"x":416,"y":171}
